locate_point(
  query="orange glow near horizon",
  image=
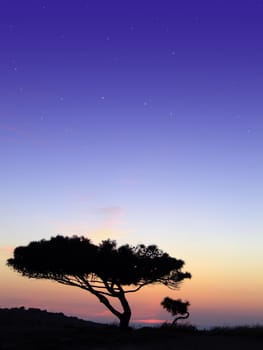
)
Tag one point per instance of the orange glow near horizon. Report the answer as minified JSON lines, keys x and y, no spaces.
{"x":150,"y":321}
{"x":210,"y":291}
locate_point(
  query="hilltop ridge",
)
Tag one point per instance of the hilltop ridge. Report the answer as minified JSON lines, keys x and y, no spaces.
{"x":33,"y":317}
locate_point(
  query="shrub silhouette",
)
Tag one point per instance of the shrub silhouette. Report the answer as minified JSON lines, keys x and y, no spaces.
{"x":176,"y":307}
{"x":105,"y":270}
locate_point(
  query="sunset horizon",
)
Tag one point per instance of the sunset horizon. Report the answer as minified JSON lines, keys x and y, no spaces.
{"x":140,"y":122}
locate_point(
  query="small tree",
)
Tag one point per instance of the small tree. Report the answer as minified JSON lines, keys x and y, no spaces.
{"x":104,"y":270}
{"x":176,"y":307}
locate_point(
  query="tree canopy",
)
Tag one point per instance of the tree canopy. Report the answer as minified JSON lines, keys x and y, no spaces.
{"x":105,"y":270}
{"x":176,"y":307}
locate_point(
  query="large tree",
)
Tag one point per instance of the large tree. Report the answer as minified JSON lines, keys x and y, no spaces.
{"x":105,"y":270}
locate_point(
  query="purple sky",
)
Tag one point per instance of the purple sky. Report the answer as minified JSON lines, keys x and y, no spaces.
{"x":138,"y":120}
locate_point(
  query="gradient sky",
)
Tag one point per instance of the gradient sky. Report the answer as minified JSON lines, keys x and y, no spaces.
{"x":139,"y":121}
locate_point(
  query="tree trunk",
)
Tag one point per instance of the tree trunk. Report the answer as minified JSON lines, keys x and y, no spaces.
{"x":180,"y":318}
{"x":126,"y":315}
{"x":124,"y":320}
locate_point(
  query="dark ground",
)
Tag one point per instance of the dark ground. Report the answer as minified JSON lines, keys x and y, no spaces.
{"x":35,"y":329}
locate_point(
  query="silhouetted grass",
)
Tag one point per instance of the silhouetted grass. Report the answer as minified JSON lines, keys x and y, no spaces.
{"x":35,"y":329}
{"x":255,"y":330}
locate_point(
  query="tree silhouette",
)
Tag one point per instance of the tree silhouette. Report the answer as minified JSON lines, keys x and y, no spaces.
{"x":105,"y":270}
{"x":176,"y":307}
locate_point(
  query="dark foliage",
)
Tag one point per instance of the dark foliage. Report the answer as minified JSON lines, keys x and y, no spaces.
{"x":176,"y":307}
{"x":104,"y":270}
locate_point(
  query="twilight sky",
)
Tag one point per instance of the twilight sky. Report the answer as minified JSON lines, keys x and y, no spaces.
{"x":139,"y":121}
